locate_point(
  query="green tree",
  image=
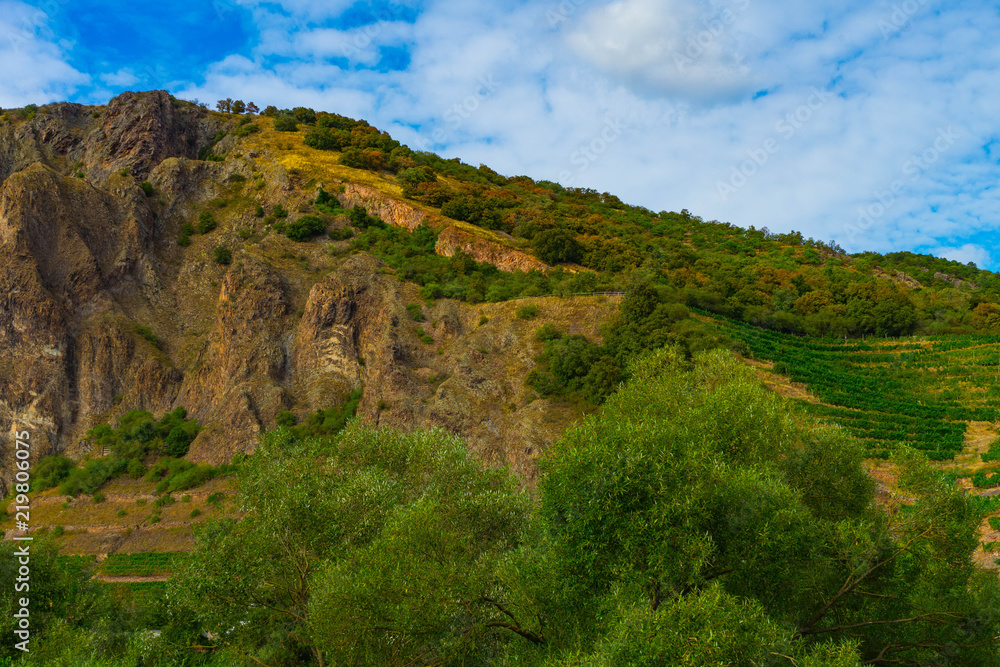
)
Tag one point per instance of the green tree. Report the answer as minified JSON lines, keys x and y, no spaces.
{"x":374,"y":547}
{"x":554,"y":246}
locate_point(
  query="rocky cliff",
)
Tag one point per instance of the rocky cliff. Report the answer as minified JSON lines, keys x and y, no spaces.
{"x":102,"y":311}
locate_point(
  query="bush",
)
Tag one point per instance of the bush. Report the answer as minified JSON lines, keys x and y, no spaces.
{"x":527,"y":312}
{"x":206,"y":222}
{"x":286,"y":418}
{"x":58,"y":531}
{"x":246,"y":130}
{"x":995,"y":522}
{"x":223,"y":255}
{"x":279,"y":211}
{"x":50,"y":471}
{"x":554,"y":246}
{"x":425,"y":337}
{"x":305,"y":228}
{"x":286,"y":123}
{"x":147,"y":188}
{"x":121,"y":513}
{"x":195,"y":513}
{"x":148,"y":335}
{"x":416,"y":312}
{"x":259,"y":211}
{"x":98,"y":497}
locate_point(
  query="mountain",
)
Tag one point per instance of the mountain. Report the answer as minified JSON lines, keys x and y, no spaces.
{"x":160,"y":255}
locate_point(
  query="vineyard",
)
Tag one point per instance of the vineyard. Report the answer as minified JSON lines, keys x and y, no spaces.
{"x":145,"y":564}
{"x":921,"y":393}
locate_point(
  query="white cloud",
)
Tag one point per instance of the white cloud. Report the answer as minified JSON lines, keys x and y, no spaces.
{"x":969,"y":252}
{"x":689,"y":48}
{"x":510,"y":87}
{"x":123,"y":77}
{"x":34,"y":67}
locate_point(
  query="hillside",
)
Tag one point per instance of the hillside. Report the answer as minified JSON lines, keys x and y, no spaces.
{"x":113,"y":300}
{"x":182,"y":287}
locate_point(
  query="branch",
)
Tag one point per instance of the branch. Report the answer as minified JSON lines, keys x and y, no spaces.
{"x":870,"y":623}
{"x":851,"y":585}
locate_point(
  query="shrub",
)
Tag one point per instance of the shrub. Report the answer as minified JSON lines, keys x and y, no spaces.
{"x":416,"y":312}
{"x":135,"y":469}
{"x":57,"y":531}
{"x":184,"y":240}
{"x":527,"y":312}
{"x":148,"y":335}
{"x":195,"y":513}
{"x":547,"y":332}
{"x":286,"y":418}
{"x":237,"y":178}
{"x":206,"y":222}
{"x":121,"y":513}
{"x":279,"y":211}
{"x":164,"y":501}
{"x":483,"y":320}
{"x":259,"y":211}
{"x":147,"y":188}
{"x":995,"y":522}
{"x":186,"y":498}
{"x":155,"y":518}
{"x":98,"y":497}
{"x":286,"y":123}
{"x":223,"y":255}
{"x":140,"y":502}
{"x":50,"y":471}
{"x":305,"y":228}
{"x":246,"y":130}
{"x":425,"y":337}
{"x":215,"y":499}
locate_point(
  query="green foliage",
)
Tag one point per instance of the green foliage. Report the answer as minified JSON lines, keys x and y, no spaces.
{"x":527,"y":312}
{"x":330,"y":421}
{"x":695,"y":478}
{"x":416,"y":312}
{"x":246,"y":130}
{"x":147,"y":334}
{"x":147,"y":188}
{"x":403,"y":528}
{"x":555,"y":246}
{"x":286,"y":418}
{"x":993,"y":453}
{"x":223,"y":255}
{"x":424,"y":337}
{"x":286,"y":123}
{"x":279,"y":211}
{"x":50,"y":471}
{"x":305,"y":228}
{"x":206,"y":222}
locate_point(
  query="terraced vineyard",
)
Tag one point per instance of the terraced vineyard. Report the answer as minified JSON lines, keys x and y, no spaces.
{"x":913,"y":391}
{"x":144,"y":564}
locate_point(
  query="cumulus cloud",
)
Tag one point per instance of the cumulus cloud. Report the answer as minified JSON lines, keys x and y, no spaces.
{"x":687,"y":48}
{"x":825,"y":117}
{"x":35,"y":69}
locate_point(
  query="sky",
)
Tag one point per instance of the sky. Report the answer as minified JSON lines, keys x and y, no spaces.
{"x":871,"y":124}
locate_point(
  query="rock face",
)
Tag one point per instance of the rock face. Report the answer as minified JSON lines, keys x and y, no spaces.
{"x":102,"y":312}
{"x":394,"y":212}
{"x":453,"y":239}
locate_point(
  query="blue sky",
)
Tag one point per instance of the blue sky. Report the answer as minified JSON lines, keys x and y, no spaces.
{"x":868,"y":123}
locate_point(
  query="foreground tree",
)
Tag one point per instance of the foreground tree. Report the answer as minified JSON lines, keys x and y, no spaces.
{"x":696,"y":481}
{"x":372,"y":548}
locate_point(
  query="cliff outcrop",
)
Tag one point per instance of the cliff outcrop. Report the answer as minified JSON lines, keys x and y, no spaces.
{"x":102,"y":311}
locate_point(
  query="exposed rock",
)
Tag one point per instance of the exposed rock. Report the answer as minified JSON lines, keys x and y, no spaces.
{"x":957,"y":282}
{"x":393,"y":212}
{"x":504,"y":258}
